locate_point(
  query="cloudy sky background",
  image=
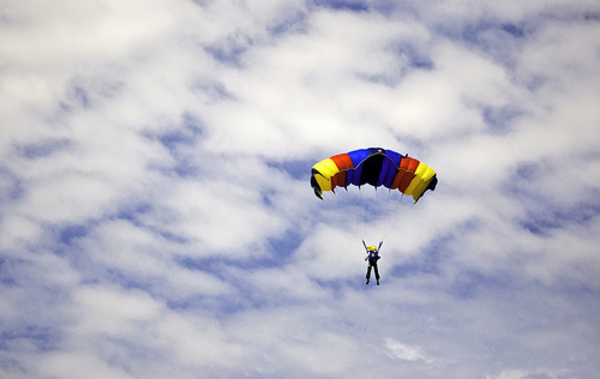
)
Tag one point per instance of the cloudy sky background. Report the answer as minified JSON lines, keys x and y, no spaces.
{"x":156,"y":216}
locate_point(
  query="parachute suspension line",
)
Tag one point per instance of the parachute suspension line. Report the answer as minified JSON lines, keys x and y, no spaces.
{"x":362,"y":219}
{"x":394,"y":208}
{"x":356,"y":202}
{"x":378,"y":198}
{"x":393,"y":213}
{"x":399,"y":202}
{"x":399,"y":214}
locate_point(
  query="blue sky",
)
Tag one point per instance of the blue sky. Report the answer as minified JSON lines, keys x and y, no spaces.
{"x":156,"y":215}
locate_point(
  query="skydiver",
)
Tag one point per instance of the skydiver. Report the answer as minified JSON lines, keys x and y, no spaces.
{"x":372,"y":257}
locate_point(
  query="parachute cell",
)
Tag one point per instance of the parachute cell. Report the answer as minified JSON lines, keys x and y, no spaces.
{"x":376,"y":167}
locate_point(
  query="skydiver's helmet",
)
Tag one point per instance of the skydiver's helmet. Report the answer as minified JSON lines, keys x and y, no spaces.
{"x":372,"y":252}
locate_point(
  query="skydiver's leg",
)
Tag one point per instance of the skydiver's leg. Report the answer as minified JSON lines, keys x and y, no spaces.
{"x":368,"y":273}
{"x":376,"y":273}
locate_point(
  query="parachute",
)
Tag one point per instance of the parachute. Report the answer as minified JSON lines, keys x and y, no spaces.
{"x":376,"y":167}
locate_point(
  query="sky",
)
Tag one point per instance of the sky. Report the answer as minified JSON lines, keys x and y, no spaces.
{"x":157,"y":219}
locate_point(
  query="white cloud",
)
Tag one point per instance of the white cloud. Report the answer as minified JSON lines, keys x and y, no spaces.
{"x":404,"y":352}
{"x":75,"y":364}
{"x":156,"y":217}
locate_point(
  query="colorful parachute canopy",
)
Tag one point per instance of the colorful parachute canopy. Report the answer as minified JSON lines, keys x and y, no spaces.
{"x":374,"y":166}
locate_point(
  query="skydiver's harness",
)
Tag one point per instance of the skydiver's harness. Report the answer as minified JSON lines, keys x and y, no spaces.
{"x":373,"y":253}
{"x":373,"y":258}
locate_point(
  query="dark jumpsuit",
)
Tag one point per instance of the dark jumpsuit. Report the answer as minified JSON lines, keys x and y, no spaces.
{"x":373,"y":257}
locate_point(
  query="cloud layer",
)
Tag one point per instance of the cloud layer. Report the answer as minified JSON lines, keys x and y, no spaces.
{"x":156,"y":217}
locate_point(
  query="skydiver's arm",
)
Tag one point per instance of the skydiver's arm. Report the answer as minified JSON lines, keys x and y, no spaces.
{"x":380,"y":243}
{"x":367,"y":250}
